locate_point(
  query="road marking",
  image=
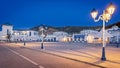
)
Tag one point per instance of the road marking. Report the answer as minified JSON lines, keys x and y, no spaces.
{"x":41,"y":67}
{"x":25,"y":58}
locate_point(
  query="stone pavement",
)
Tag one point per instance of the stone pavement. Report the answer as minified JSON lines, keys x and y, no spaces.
{"x":80,"y":52}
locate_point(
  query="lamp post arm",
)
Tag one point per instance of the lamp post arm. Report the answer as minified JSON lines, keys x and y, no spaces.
{"x":99,"y":18}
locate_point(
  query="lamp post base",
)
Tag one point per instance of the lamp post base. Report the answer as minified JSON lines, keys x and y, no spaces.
{"x":117,"y":45}
{"x":103,"y":58}
{"x":24,"y":43}
{"x":41,"y":45}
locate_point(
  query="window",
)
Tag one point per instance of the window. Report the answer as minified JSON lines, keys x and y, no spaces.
{"x":96,"y":38}
{"x":29,"y":33}
{"x":35,"y":33}
{"x":7,"y":31}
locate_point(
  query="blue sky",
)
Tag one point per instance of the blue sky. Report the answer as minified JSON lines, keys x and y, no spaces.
{"x":29,"y":13}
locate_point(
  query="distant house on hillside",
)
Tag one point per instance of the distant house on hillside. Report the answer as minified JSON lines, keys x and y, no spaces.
{"x":88,"y":31}
{"x":82,"y":35}
{"x":78,"y":37}
{"x":60,"y":35}
{"x":97,"y":37}
{"x":115,"y":31}
{"x":50,"y":38}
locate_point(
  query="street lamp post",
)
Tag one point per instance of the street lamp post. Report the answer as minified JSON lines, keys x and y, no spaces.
{"x":105,"y":17}
{"x":42,"y":30}
{"x":117,"y":39}
{"x":24,"y":36}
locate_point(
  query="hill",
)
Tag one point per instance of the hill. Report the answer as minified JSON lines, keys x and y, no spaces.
{"x":68,"y":29}
{"x":73,"y":29}
{"x":117,"y":24}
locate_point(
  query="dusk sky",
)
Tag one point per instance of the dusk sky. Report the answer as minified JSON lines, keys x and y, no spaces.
{"x":29,"y":13}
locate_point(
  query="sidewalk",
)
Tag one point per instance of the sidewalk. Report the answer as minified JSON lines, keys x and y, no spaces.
{"x":80,"y":52}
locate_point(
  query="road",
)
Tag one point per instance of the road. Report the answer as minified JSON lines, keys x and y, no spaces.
{"x":20,"y":57}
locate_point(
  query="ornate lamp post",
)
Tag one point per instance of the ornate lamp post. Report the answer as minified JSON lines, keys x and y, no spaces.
{"x":117,"y":39}
{"x":42,"y":30}
{"x":105,"y":17}
{"x":24,"y":34}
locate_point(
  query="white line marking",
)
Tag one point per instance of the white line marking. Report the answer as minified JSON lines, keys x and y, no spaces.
{"x":24,"y":57}
{"x":41,"y":67}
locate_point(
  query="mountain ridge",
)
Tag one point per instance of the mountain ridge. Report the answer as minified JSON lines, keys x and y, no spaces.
{"x":73,"y":29}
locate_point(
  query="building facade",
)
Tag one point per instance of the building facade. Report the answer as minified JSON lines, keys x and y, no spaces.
{"x":115,"y":31}
{"x":17,"y":35}
{"x":29,"y":35}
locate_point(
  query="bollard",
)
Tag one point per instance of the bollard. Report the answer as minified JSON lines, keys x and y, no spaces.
{"x":41,"y":45}
{"x":117,"y":45}
{"x":24,"y":43}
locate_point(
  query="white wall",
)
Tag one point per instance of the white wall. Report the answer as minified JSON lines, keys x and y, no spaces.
{"x":60,"y":35}
{"x":3,"y":33}
{"x":27,"y":35}
{"x":5,"y":28}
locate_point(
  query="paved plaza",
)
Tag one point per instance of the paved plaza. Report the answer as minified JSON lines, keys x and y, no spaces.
{"x":78,"y":51}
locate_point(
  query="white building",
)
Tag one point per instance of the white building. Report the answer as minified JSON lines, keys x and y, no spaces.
{"x":5,"y":30}
{"x":82,"y":36}
{"x":97,"y":37}
{"x":115,"y":31}
{"x":17,"y":35}
{"x":88,"y":31}
{"x":60,"y":35}
{"x":25,"y":35}
{"x":29,"y":35}
{"x":50,"y":38}
{"x":78,"y":37}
